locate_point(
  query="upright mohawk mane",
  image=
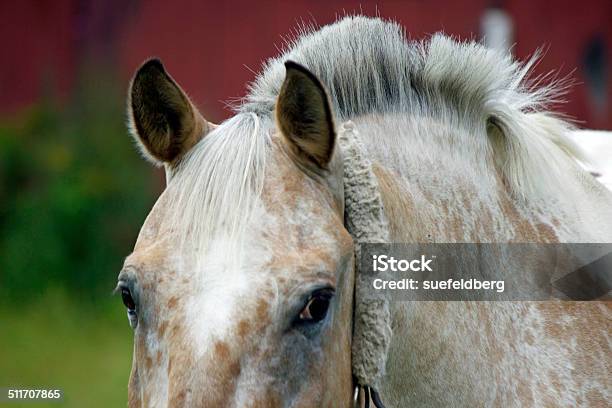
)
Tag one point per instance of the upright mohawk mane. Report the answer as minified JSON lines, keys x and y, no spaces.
{"x":369,"y":66}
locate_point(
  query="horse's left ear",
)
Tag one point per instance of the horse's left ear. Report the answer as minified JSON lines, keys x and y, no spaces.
{"x":304,"y":116}
{"x":163,"y":121}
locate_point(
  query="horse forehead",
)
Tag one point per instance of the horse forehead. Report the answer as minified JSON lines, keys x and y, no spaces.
{"x":288,"y":184}
{"x":290,"y":232}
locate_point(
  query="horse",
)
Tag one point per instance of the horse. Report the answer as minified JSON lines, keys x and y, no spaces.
{"x":241,"y":285}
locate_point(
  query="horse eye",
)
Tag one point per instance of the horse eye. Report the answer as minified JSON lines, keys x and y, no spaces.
{"x":316,"y":307}
{"x":128,"y":301}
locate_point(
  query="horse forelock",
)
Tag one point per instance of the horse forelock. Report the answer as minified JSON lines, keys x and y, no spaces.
{"x":216,"y":187}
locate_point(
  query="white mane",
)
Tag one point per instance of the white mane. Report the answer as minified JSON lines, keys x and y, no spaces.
{"x":369,"y":67}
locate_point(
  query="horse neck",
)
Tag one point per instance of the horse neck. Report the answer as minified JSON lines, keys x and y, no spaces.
{"x":436,"y":188}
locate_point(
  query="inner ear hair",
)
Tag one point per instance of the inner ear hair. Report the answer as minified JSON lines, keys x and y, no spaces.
{"x":304,"y":116}
{"x":163,"y":120}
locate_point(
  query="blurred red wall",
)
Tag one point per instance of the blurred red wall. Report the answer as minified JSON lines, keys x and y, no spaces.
{"x":207,"y":46}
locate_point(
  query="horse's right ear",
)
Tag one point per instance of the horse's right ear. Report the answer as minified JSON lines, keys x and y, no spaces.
{"x":162,"y":119}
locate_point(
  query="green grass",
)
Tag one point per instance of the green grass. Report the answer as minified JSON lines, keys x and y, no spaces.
{"x":56,"y":343}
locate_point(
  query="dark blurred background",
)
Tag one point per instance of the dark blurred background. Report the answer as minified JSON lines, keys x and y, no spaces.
{"x":74,"y":193}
